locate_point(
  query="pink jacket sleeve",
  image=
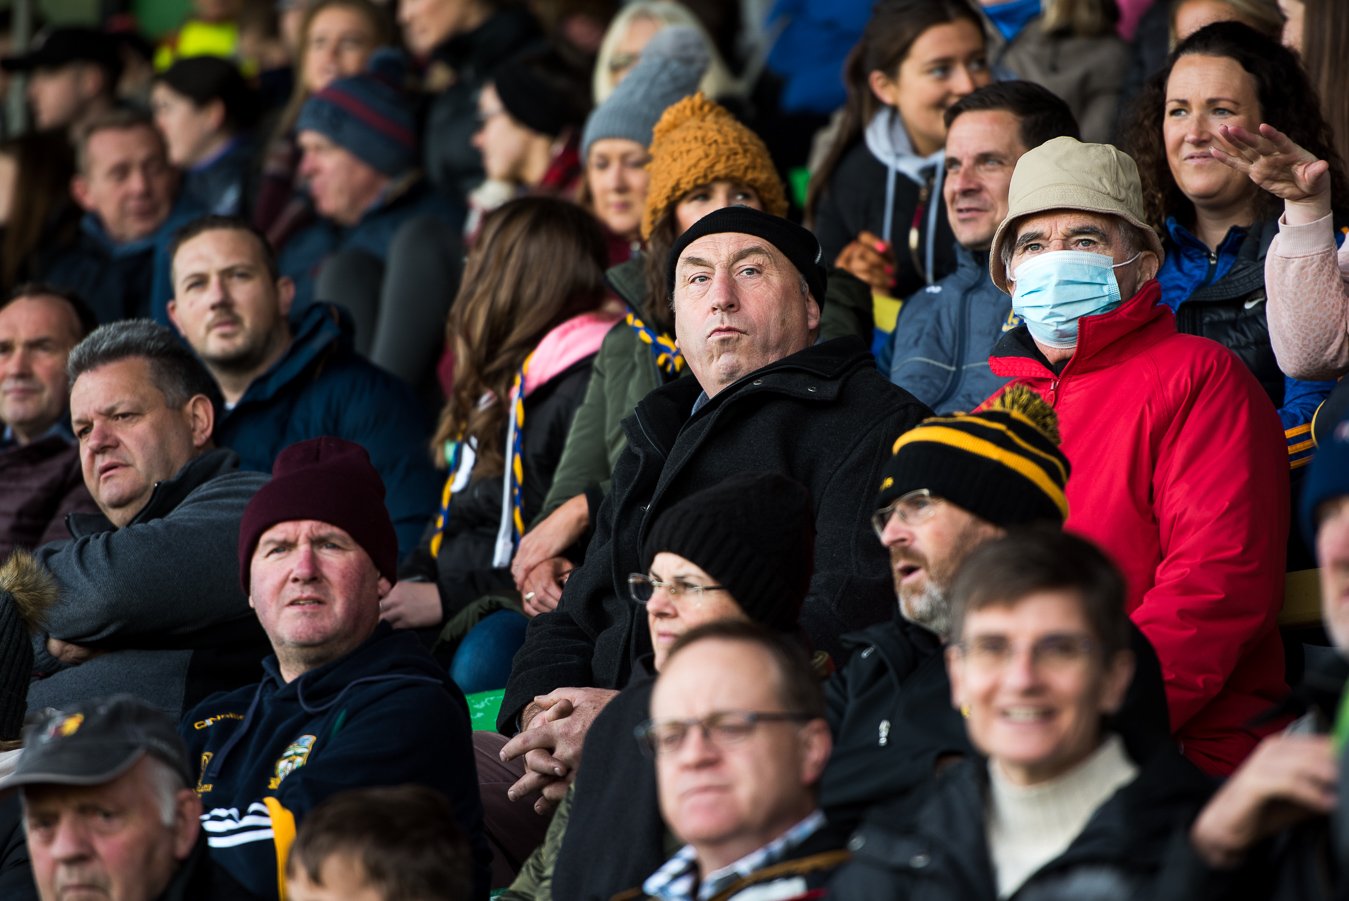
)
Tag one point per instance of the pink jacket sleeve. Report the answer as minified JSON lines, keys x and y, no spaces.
{"x":1308,"y":285}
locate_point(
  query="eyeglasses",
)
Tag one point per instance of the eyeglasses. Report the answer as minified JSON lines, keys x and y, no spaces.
{"x":912,"y":508}
{"x":721,"y":729}
{"x":1053,"y":653}
{"x":643,"y":589}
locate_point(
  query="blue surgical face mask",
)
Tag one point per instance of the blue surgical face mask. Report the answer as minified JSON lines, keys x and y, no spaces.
{"x":1054,"y":290}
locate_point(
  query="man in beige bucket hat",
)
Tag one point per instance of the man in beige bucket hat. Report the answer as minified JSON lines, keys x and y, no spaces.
{"x":1179,"y":462}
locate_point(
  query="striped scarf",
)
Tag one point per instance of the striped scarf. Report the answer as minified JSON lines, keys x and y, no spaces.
{"x":663,"y":348}
{"x":460,"y":455}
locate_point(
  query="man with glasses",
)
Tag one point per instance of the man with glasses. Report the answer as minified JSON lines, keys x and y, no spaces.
{"x":952,"y":484}
{"x":1181,"y":464}
{"x":738,"y":762}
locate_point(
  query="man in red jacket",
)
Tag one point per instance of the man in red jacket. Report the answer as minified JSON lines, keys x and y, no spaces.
{"x":1178,"y":461}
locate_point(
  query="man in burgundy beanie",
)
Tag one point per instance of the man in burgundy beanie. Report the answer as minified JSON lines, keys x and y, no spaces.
{"x":344,"y":701}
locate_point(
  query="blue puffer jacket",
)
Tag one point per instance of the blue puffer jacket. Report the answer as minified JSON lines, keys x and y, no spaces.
{"x":301,"y":257}
{"x":322,"y":387}
{"x":945,"y":334}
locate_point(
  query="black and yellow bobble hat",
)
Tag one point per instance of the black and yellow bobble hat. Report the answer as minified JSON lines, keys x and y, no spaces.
{"x":1003,"y":464}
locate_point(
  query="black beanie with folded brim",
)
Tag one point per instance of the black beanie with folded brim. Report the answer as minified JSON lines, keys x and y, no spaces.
{"x":797,"y":244}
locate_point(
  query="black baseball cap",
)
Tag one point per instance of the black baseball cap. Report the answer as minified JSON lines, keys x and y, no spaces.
{"x":62,"y":46}
{"x":95,"y":742}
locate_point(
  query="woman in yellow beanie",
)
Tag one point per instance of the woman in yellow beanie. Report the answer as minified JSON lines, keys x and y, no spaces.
{"x":702,"y":159}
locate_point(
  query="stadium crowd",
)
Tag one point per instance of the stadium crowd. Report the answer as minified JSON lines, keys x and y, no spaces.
{"x":761,"y":450}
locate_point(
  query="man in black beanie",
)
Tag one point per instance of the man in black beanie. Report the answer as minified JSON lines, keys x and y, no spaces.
{"x":951,"y":484}
{"x":764,"y":397}
{"x":345,"y":701}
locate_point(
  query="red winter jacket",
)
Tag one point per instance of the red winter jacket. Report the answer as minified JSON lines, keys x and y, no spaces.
{"x":1179,"y":472}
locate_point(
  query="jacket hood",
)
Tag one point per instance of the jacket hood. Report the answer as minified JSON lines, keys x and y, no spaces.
{"x":627,"y":281}
{"x":321,"y":330}
{"x":888,"y":141}
{"x":567,"y":344}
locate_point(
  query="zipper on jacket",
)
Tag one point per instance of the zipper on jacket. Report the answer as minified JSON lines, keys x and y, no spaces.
{"x":1053,"y":398}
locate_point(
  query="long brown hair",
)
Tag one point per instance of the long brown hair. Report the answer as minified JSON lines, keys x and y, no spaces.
{"x":538,"y":261}
{"x":890,"y":33}
{"x":381,"y":29}
{"x":44,"y":163}
{"x":1287,"y":101}
{"x":1325,"y":35}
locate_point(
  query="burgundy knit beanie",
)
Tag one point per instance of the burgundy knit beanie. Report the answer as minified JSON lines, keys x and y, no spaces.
{"x":329,"y":480}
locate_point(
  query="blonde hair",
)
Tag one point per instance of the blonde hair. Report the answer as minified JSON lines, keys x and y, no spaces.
{"x":718,"y":82}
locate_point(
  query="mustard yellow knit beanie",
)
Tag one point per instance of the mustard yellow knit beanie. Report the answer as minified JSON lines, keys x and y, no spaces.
{"x":697,"y":142}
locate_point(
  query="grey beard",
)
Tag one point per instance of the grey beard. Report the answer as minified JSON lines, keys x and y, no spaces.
{"x":930,"y":610}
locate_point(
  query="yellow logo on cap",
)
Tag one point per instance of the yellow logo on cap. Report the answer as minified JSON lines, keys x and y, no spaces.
{"x":68,"y":726}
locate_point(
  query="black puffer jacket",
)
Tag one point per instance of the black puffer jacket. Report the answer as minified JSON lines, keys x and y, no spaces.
{"x":933,"y":847}
{"x":823,"y":416}
{"x":1231,"y":311}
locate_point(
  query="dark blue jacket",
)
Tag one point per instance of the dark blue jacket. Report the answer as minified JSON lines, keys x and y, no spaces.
{"x":385,"y":714}
{"x":121,"y":280}
{"x":323,"y":387}
{"x":301,"y":257}
{"x":220,"y":185}
{"x":945,"y":335}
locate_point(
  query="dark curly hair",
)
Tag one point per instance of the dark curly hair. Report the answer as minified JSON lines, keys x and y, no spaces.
{"x":1287,"y":101}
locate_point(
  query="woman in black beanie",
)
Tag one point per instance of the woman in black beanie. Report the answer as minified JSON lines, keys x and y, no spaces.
{"x":742,"y":549}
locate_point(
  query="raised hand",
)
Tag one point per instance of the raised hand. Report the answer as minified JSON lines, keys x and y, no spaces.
{"x":1271,"y":160}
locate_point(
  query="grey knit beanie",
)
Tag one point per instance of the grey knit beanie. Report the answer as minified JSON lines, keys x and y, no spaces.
{"x":671,"y":65}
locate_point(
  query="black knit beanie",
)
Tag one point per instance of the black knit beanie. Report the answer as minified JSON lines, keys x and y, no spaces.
{"x":797,"y":244}
{"x":543,"y":92}
{"x":1002,"y":464}
{"x":754,"y":534}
